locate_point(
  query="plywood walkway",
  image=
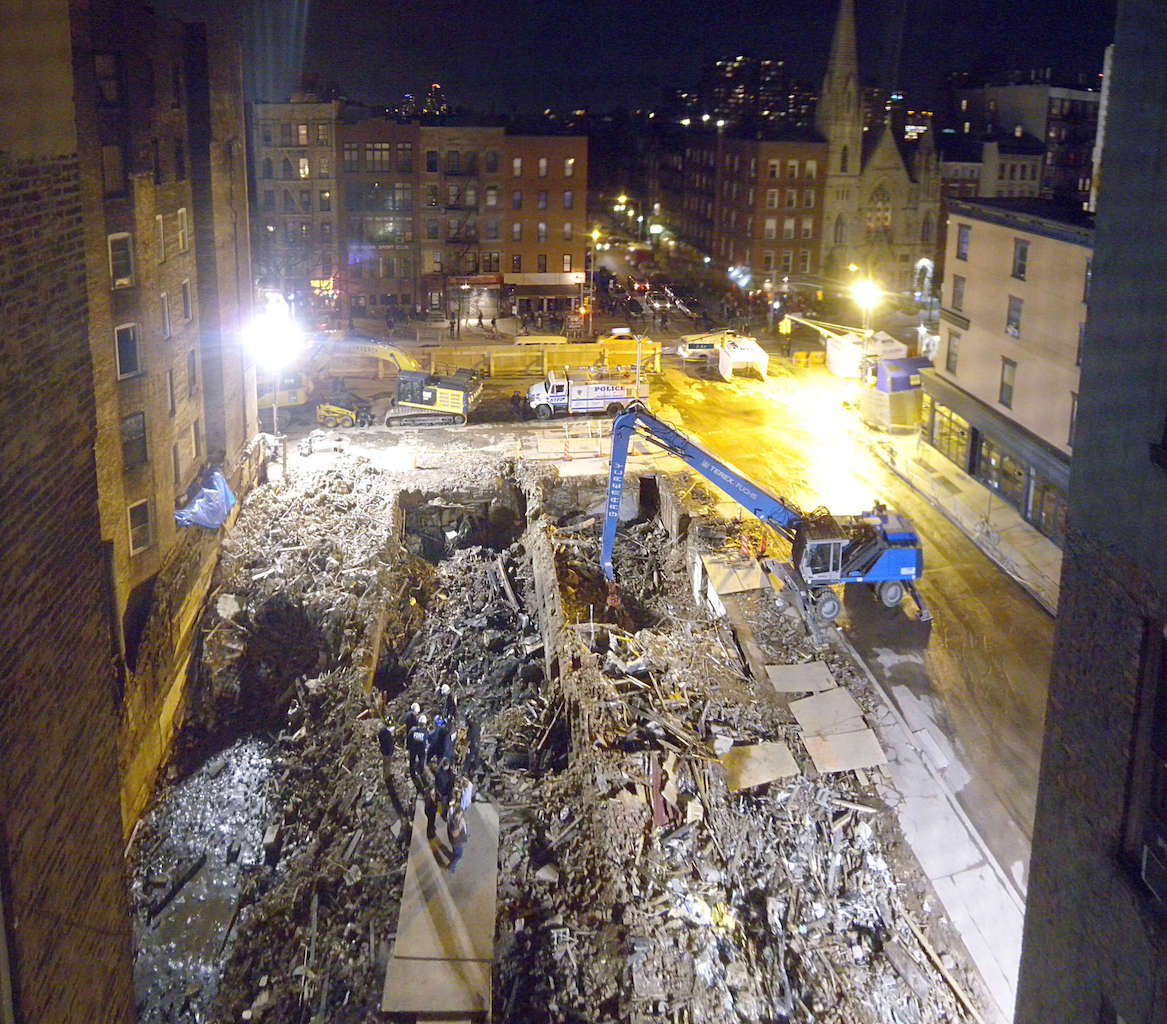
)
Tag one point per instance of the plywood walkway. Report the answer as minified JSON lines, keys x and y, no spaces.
{"x":441,"y":963}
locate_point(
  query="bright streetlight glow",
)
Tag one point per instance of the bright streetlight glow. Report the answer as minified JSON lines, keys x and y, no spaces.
{"x":273,"y":338}
{"x":866,"y":293}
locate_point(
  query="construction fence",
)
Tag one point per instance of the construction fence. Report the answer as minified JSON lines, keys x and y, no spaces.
{"x":536,"y":360}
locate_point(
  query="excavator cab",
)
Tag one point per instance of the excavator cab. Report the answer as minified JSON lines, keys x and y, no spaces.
{"x":818,"y":550}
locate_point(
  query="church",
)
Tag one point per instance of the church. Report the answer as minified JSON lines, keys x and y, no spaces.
{"x":881,"y":197}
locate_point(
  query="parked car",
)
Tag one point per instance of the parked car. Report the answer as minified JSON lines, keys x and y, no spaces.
{"x":633,"y":307}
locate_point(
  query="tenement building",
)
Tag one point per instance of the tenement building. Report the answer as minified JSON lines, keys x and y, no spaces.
{"x":1095,"y":942}
{"x":1002,"y":400}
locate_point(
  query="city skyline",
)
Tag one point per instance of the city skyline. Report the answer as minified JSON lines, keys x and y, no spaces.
{"x":524,"y":56}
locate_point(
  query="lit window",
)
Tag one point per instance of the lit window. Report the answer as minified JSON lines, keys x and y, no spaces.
{"x":140,"y":526}
{"x":322,"y":135}
{"x":301,"y":135}
{"x":517,"y":232}
{"x":541,"y":231}
{"x":128,"y":352}
{"x":567,"y":263}
{"x":569,"y":167}
{"x":325,"y":201}
{"x":160,"y":237}
{"x":303,"y":167}
{"x":121,"y":260}
{"x":542,"y":167}
{"x":567,"y":232}
{"x":517,"y":166}
{"x":771,"y":199}
{"x":770,"y":230}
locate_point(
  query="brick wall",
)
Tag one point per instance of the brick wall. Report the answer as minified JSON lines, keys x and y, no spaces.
{"x":65,"y":900}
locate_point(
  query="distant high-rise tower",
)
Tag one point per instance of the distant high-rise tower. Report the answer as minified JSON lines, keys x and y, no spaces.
{"x":435,"y":100}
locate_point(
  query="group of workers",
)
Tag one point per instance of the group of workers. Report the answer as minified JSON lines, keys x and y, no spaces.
{"x":442,"y":779}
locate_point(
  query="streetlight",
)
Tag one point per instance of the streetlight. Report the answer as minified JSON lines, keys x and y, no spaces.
{"x":592,"y":280}
{"x":273,"y":338}
{"x":866,"y":293}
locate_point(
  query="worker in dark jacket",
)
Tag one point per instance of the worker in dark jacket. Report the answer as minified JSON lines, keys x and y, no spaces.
{"x":417,"y":742}
{"x":444,"y":785}
{"x":387,"y":742}
{"x":411,"y":716}
{"x":431,"y":813}
{"x":473,"y":740}
{"x":441,"y":741}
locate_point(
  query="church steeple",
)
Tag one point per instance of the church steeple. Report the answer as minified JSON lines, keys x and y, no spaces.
{"x":838,"y":116}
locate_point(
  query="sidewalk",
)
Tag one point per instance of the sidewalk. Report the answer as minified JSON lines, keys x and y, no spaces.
{"x":995,"y":526}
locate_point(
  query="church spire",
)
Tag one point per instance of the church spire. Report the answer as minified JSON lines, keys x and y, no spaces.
{"x":844,"y":59}
{"x":838,"y":116}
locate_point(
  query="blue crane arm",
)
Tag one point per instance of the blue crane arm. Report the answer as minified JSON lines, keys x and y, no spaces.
{"x":779,"y":513}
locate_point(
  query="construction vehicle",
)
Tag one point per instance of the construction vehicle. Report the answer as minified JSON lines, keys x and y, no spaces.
{"x":562,"y":393}
{"x":365,"y":358}
{"x":345,"y":410}
{"x":428,"y":399}
{"x":879,"y":548}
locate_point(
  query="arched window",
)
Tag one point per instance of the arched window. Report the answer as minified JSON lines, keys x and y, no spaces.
{"x":286,"y":169}
{"x":926,"y":228}
{"x":878,"y":213}
{"x":267,"y":173}
{"x":843,"y":160}
{"x":840,"y":230}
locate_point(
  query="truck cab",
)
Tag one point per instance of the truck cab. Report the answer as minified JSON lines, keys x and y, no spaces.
{"x":551,"y":392}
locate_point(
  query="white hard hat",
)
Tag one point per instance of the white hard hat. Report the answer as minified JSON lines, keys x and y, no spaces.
{"x":445,"y":689}
{"x":415,"y":707}
{"x":422,"y":720}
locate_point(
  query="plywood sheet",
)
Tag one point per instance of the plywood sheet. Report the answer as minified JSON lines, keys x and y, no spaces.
{"x":449,"y":987}
{"x":828,"y":712}
{"x":758,"y":763}
{"x":809,"y":677}
{"x":732,"y":575}
{"x":844,"y":752}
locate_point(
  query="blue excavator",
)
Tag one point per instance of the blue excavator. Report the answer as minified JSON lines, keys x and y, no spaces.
{"x":878,"y":548}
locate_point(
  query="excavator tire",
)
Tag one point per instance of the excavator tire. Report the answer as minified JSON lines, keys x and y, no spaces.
{"x":827,"y":605}
{"x":347,"y":421}
{"x":330,"y":421}
{"x":890,"y":593}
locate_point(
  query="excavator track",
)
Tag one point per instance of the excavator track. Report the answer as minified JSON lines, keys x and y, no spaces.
{"x":424,"y":419}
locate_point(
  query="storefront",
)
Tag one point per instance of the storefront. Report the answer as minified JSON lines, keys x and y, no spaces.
{"x":1018,"y":466}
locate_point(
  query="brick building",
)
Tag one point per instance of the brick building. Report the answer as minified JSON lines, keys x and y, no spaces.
{"x":1095,"y":945}
{"x":1002,"y":400}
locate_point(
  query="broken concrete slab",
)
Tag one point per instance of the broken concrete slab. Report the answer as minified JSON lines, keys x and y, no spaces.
{"x":732,"y":575}
{"x":807,"y":677}
{"x":832,"y":711}
{"x":844,"y":752}
{"x":757,"y":764}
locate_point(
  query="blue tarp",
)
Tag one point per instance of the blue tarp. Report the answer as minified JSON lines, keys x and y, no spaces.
{"x":900,"y":374}
{"x":209,"y":507}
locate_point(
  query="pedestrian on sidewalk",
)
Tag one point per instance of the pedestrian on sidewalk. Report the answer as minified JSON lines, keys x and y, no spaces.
{"x":457,"y":833}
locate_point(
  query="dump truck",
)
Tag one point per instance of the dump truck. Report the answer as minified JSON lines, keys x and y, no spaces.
{"x":564,"y":394}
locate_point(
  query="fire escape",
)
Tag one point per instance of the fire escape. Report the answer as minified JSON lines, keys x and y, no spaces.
{"x":461,"y":202}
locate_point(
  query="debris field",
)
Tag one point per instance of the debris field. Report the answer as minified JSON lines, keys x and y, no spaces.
{"x":642,"y":875}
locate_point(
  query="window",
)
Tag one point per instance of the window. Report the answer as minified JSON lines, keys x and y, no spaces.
{"x":792,"y":168}
{"x":804,"y":261}
{"x":351,"y":156}
{"x":1081,"y":342}
{"x":377,"y":156}
{"x":405,"y":157}
{"x":322,"y":135}
{"x":957,"y":292}
{"x":286,"y":134}
{"x":542,"y":167}
{"x":1008,"y":381}
{"x":171,"y":400}
{"x":141,"y":532}
{"x":166,"y":332}
{"x":192,"y":372}
{"x":771,"y":199}
{"x":108,"y":78}
{"x":183,"y":231}
{"x":517,"y":200}
{"x":179,"y":160}
{"x":286,"y":169}
{"x":773,"y":169}
{"x":569,"y":167}
{"x":1013,"y":317}
{"x":811,"y":169}
{"x":196,"y":440}
{"x":121,"y":260}
{"x":952,"y":356}
{"x":791,"y":198}
{"x":491,"y":161}
{"x":788,"y":228}
{"x":305,"y":200}
{"x":304,"y":170}
{"x":569,"y":200}
{"x":787,"y":261}
{"x":492,"y":195}
{"x":1020,"y":258}
{"x":1073,"y":418}
{"x":453,"y":161}
{"x":176,"y":466}
{"x":134,"y":440}
{"x":962,"y":235}
{"x":541,"y":200}
{"x":325,"y":200}
{"x":431,"y":229}
{"x":807,"y":228}
{"x":770,"y":229}
{"x":516,"y":264}
{"x":541,"y":231}
{"x":844,"y":160}
{"x":541,"y":263}
{"x":289,"y":202}
{"x":768,"y":260}
{"x":128,"y":352}
{"x":567,"y":263}
{"x":516,"y":232}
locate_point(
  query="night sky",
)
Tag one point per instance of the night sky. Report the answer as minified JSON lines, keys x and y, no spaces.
{"x":524,"y":55}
